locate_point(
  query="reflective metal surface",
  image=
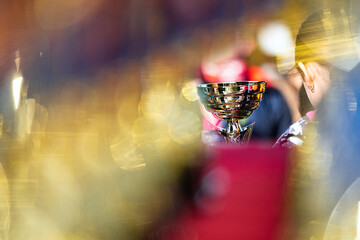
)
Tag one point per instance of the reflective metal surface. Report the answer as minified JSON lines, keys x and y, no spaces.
{"x":232,"y":102}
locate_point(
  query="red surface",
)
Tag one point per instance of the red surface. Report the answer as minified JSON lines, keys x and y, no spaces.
{"x":249,"y":201}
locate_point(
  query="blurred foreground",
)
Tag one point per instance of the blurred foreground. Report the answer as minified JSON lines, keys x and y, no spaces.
{"x":102,"y":135}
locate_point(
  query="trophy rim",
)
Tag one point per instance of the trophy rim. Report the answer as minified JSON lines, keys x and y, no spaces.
{"x":232,"y":100}
{"x":231,"y":84}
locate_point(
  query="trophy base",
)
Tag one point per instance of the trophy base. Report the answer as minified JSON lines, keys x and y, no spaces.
{"x":241,"y":136}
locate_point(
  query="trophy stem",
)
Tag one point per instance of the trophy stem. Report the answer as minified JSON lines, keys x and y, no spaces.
{"x":233,"y":126}
{"x":235,"y":134}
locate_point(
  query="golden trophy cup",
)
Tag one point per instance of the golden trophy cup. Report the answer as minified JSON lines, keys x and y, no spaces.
{"x":232,"y":102}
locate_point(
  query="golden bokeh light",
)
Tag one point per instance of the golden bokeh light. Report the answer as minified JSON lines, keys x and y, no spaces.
{"x":158,"y":100}
{"x":127,"y":154}
{"x":151,"y":133}
{"x":185,"y":128}
{"x":189,"y":91}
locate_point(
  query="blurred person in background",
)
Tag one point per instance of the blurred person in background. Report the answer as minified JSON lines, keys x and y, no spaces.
{"x":323,"y":53}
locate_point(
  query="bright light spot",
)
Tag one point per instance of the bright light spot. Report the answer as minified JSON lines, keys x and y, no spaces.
{"x":16,"y":87}
{"x":189,"y":91}
{"x":275,"y":39}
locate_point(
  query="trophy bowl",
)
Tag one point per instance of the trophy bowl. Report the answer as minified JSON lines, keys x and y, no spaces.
{"x":232,"y":102}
